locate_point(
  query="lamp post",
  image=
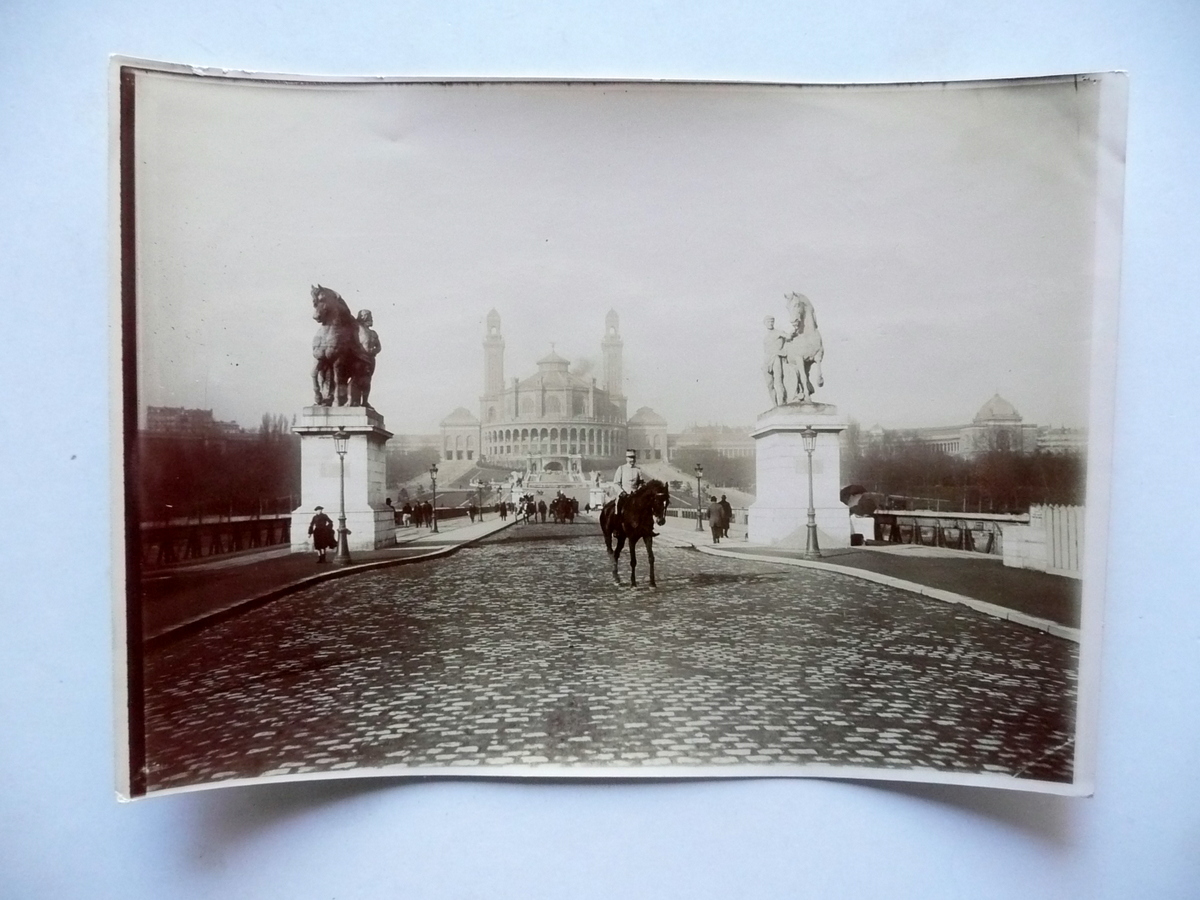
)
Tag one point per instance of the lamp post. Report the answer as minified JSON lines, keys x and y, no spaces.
{"x":811,"y":549}
{"x":699,"y":515}
{"x":433,"y":481}
{"x":340,"y":440}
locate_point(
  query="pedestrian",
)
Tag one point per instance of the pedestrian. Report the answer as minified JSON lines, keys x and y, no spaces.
{"x":716,"y":519}
{"x":471,"y":511}
{"x":395,"y":512}
{"x":728,"y":510}
{"x":406,"y":514}
{"x":541,"y":508}
{"x":321,"y":529}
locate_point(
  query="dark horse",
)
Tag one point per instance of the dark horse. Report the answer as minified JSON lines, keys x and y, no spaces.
{"x":340,"y":357}
{"x":644,"y":507}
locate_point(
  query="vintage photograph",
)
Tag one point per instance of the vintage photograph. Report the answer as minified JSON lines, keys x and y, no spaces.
{"x":611,"y":429}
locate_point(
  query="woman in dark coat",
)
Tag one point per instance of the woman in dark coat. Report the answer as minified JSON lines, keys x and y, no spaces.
{"x":716,"y":519}
{"x":321,"y":529}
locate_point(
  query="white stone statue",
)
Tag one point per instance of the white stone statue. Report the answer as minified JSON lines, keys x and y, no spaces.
{"x":774,"y":362}
{"x":804,"y":351}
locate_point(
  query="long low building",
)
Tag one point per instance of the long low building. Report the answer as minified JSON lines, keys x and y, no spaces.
{"x":997,"y":426}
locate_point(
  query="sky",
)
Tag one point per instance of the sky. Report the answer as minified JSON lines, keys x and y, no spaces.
{"x":943,"y":233}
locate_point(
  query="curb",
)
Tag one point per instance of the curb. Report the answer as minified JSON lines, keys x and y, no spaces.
{"x":196,"y":623}
{"x":1055,"y":629}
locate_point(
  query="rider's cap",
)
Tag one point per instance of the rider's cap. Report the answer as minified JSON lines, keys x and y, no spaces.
{"x":318,"y":508}
{"x":631,"y":453}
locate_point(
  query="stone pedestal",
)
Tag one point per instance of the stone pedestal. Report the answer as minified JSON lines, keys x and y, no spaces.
{"x":370,"y":521}
{"x":779,"y":514}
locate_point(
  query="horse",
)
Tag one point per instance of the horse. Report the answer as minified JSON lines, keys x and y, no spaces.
{"x":805,"y":350}
{"x":643,"y":508}
{"x":336,"y":347}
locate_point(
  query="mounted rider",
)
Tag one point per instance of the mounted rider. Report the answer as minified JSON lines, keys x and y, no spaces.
{"x":628,"y":478}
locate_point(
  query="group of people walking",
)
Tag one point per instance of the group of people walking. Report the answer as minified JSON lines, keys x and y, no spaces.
{"x":720,"y":516}
{"x":413,"y":515}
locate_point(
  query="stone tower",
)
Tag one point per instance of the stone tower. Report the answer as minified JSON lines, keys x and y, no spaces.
{"x":611,"y":348}
{"x":493,"y":356}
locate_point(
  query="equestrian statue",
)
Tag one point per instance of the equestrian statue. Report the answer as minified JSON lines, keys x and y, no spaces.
{"x":792,"y":361}
{"x":345,"y":347}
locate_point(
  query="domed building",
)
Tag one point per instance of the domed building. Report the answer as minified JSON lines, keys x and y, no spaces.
{"x":997,"y":426}
{"x":648,"y":434}
{"x":554,"y":419}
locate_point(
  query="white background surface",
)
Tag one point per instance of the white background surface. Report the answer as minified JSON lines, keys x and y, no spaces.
{"x":62,"y":833}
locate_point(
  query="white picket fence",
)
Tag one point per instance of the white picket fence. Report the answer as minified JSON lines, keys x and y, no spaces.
{"x":1051,"y":542}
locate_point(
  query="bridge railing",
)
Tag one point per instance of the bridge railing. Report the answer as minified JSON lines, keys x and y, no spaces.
{"x":973,"y":532}
{"x":737,"y":526}
{"x":165,"y":544}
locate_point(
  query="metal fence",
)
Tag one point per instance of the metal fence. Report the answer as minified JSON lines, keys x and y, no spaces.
{"x":176,"y":542}
{"x":972,"y":532}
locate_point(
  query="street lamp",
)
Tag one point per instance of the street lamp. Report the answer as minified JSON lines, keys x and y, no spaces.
{"x":699,"y":474}
{"x":340,"y":440}
{"x":433,"y":481}
{"x":811,"y":549}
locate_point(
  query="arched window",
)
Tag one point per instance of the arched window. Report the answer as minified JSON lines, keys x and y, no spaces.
{"x":554,"y":434}
{"x":491,"y":414}
{"x":553,"y":405}
{"x":545,"y":433}
{"x":527,"y":407}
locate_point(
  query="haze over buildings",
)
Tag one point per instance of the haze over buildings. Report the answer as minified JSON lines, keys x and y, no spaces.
{"x":944,"y":236}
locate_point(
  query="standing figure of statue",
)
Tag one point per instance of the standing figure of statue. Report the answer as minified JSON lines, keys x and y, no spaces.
{"x":774,"y":362}
{"x":360,"y":382}
{"x":804,"y":348}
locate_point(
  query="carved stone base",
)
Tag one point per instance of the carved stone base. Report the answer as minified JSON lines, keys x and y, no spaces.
{"x":370,"y":521}
{"x":779,"y":514}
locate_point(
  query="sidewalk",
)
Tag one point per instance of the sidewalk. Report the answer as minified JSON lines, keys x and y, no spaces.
{"x":181,"y":599}
{"x":1050,"y":603}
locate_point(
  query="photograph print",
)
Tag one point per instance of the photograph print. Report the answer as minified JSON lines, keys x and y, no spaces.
{"x":611,"y":429}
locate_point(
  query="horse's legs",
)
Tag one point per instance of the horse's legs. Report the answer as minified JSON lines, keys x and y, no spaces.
{"x":318,"y":384}
{"x":802,"y":387}
{"x":649,"y":542}
{"x":616,"y":557}
{"x":341,"y":378}
{"x":632,"y":562}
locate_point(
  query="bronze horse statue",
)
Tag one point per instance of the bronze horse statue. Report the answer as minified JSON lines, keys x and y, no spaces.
{"x":341,"y":359}
{"x":643,"y":508}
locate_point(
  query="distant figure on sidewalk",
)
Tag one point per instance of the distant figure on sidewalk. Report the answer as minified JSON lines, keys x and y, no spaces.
{"x":321,"y":529}
{"x":472,"y":511}
{"x":716,"y":519}
{"x":395,"y":512}
{"x":541,"y":508}
{"x":728,"y":511}
{"x":406,"y":514}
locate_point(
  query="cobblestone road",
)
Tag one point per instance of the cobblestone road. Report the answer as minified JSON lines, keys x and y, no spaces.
{"x":519,"y":651}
